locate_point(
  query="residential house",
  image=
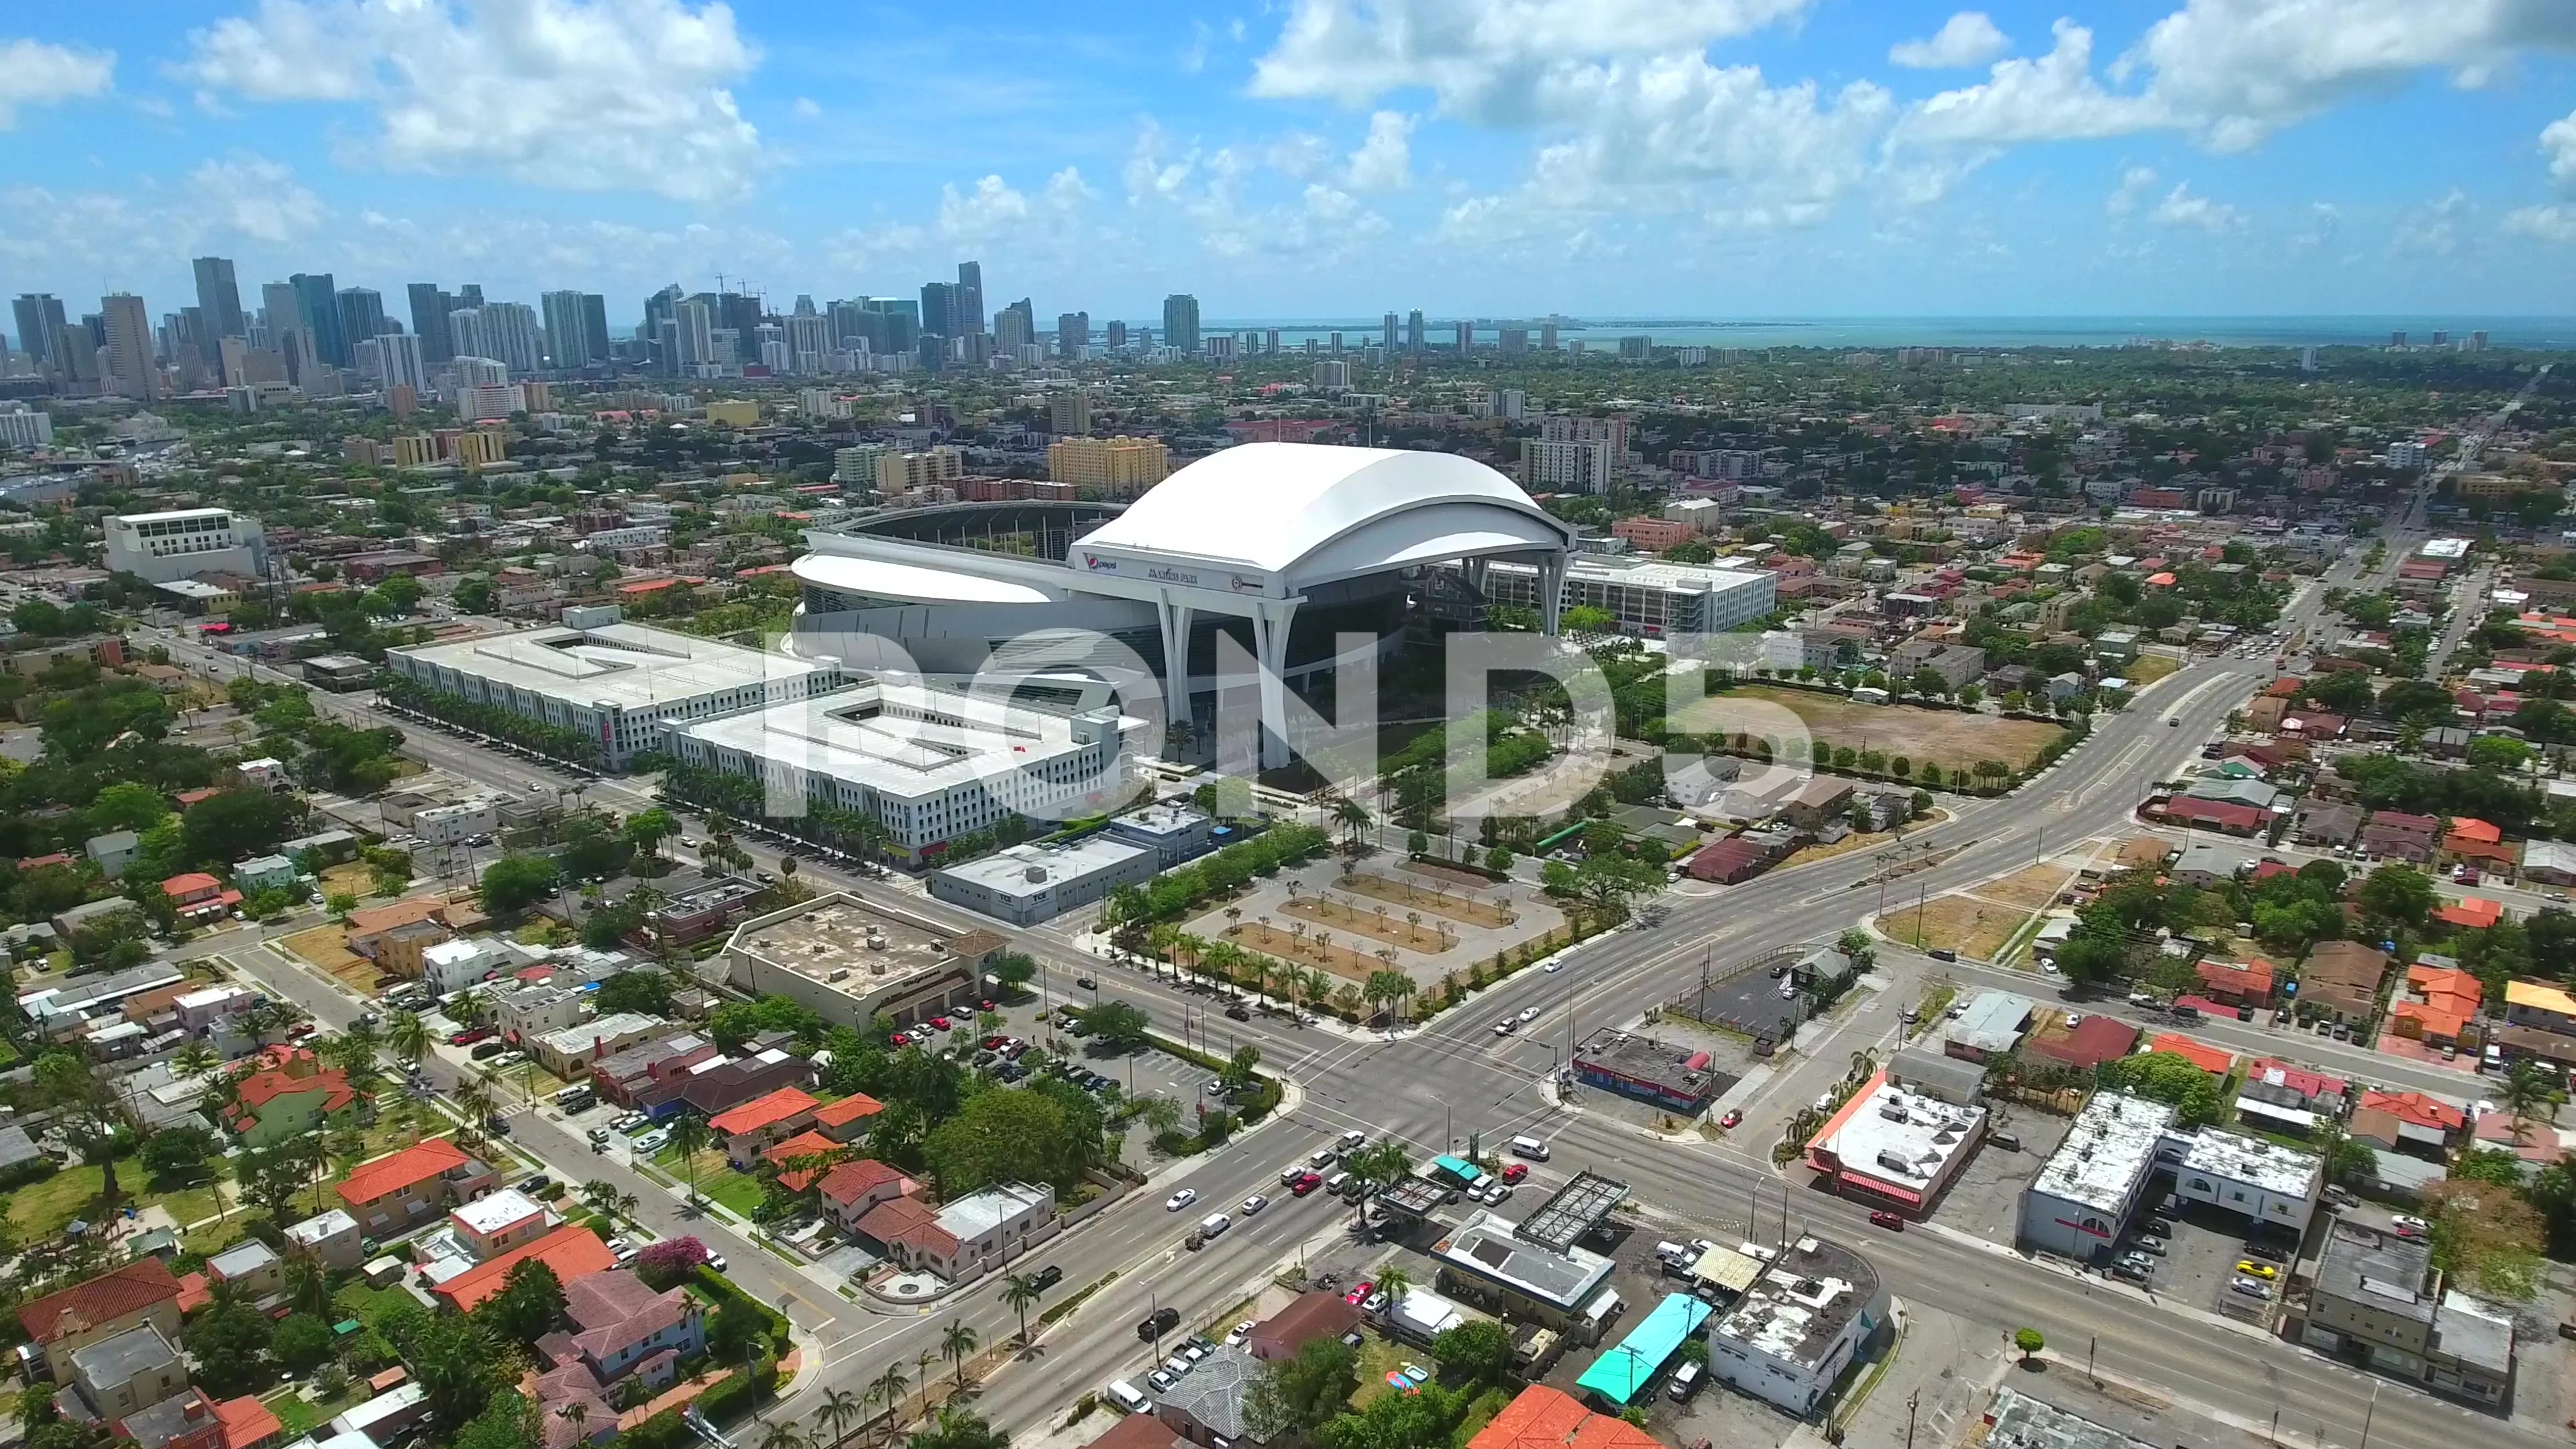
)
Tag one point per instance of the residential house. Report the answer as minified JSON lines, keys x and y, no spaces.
{"x":572,"y":1405}
{"x":2378,"y":1297}
{"x":851,"y":1190}
{"x":2217,"y":1061}
{"x":113,"y":851}
{"x":1308,"y":1317}
{"x":573,"y":1253}
{"x":2235,"y":790}
{"x":1990,"y":1026}
{"x":199,"y":896}
{"x":616,"y":1076}
{"x":571,"y":1051}
{"x":2094,"y":1039}
{"x":264,"y":873}
{"x":844,"y":1120}
{"x":288,"y":1094}
{"x":1958,"y":665}
{"x":2219,"y":815}
{"x":1822,"y":798}
{"x":2289,"y":1098}
{"x":402,"y":1190}
{"x":63,"y":1322}
{"x":2469,"y":913}
{"x":394,"y":936}
{"x":2548,"y":862}
{"x":717,"y":1085}
{"x":2206,"y":864}
{"x":1206,"y":1406}
{"x":250,"y":1266}
{"x":2479,"y":845}
{"x":623,"y":1327}
{"x":2395,"y":835}
{"x":755,"y":1126}
{"x":2236,"y":983}
{"x":2343,"y":980}
{"x":127,"y":1371}
{"x":185,"y":1420}
{"x":331,"y":1237}
{"x":498,"y":1223}
{"x":2439,"y":1005}
{"x":2411,"y":1122}
{"x":1544,"y":1418}
{"x":961,"y":1240}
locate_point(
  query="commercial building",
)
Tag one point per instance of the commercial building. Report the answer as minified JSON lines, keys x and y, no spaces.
{"x":1894,"y":1147}
{"x":1800,"y":1324}
{"x":2089,"y":1192}
{"x":615,"y":683}
{"x":854,"y":960}
{"x":1484,"y":1262}
{"x":1119,"y":467}
{"x":1026,"y":884}
{"x":1678,"y":1079}
{"x":927,"y":763}
{"x":2377,"y":1298}
{"x":162,"y":547}
{"x":1652,"y":599}
{"x":2273,"y":1184}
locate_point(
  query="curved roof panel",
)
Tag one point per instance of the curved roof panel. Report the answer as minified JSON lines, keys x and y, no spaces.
{"x":878,"y":579}
{"x":1315,"y":512}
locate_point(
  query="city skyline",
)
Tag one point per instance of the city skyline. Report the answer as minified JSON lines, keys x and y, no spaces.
{"x":1752,"y":158}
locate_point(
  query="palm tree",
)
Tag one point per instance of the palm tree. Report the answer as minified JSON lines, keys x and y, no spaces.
{"x":1019,"y":1293}
{"x":1392,"y":1282}
{"x":783,"y":1434}
{"x":924,"y":1360}
{"x":2527,"y":1093}
{"x":408,"y":1035}
{"x":839,"y":1410}
{"x":689,"y":1137}
{"x":601,"y":1194}
{"x":887,"y":1388}
{"x":957,"y":1344}
{"x":195,"y":1059}
{"x":576,"y":1414}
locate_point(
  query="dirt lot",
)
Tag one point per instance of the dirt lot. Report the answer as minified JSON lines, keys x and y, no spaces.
{"x":1430,"y":899}
{"x":1965,"y":924}
{"x":351,"y":877}
{"x":1335,"y":957}
{"x":1948,"y":738}
{"x":328,"y":948}
{"x":2031,"y":887}
{"x":1392,"y":929}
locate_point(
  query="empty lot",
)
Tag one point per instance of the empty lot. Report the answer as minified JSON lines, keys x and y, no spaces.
{"x":1948,"y":738}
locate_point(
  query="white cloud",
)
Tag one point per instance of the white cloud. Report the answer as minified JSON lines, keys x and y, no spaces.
{"x":2237,"y":70}
{"x":807,"y":109}
{"x":33,"y":73}
{"x":993,"y":211}
{"x":255,"y":197}
{"x":1968,"y":38}
{"x":576,"y":94}
{"x":1479,"y":56}
{"x":2181,"y":209}
{"x":1384,"y":162}
{"x":1643,"y":127}
{"x":1301,"y":154}
{"x":2132,"y":190}
{"x":2053,"y":97}
{"x":2439,"y":229}
{"x":2558,"y":141}
{"x":1208,"y":192}
{"x":2548,"y":223}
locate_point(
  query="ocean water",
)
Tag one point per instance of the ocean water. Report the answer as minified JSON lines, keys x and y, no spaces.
{"x":1603,"y":333}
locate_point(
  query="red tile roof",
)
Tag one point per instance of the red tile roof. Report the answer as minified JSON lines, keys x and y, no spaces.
{"x":105,"y":1298}
{"x":180,"y":887}
{"x":2467,"y":828}
{"x":572,"y":1252}
{"x":2089,"y":1043}
{"x":1544,"y":1418}
{"x":761,"y":1112}
{"x":2471,"y":913}
{"x":2246,"y":978}
{"x":392,"y":1174}
{"x":2307,"y":1083}
{"x":248,"y":1423}
{"x":2415,"y":1108}
{"x":850,"y":1181}
{"x":908,"y":1220}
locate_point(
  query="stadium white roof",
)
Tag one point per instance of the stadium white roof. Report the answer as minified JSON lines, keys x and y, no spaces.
{"x":884,"y":579}
{"x":1306,"y":514}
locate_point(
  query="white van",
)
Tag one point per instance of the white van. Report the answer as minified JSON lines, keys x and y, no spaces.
{"x":1214,"y":1224}
{"x":1125,"y":1396}
{"x":1529,"y":1147}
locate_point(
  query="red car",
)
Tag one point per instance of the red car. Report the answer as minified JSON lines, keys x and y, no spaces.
{"x":986,"y":1006}
{"x":1888,"y":1220}
{"x":1359,"y":1292}
{"x":1305,"y":1184}
{"x":1733,"y":1116}
{"x":900,"y":1039}
{"x":469,"y":1036}
{"x":1514,"y":1172}
{"x":940,"y":1022}
{"x":994,"y":1043}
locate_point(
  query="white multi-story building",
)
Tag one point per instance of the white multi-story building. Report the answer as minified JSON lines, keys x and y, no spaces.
{"x":483,"y":404}
{"x":1799,"y":1325}
{"x":25,"y":428}
{"x":858,"y":464}
{"x":2092,"y":1186}
{"x":1565,"y":466}
{"x":2274,"y":1184}
{"x":1651,"y":599}
{"x":615,"y":683}
{"x":633,"y":535}
{"x":448,"y":824}
{"x":162,"y":547}
{"x":929,"y":764}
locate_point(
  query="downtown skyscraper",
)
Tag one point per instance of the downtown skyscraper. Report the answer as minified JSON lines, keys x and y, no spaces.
{"x":219,"y":308}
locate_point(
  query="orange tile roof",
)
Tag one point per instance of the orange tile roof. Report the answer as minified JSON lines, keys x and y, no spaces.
{"x":110,"y":1295}
{"x":847,"y":1110}
{"x":2470,"y":913}
{"x":571,"y":1251}
{"x":247,"y":1422}
{"x":2210,"y":1059}
{"x":761,"y":1112}
{"x":849,"y":1181}
{"x":2415,"y":1107}
{"x":2467,"y":828}
{"x":194,"y":1293}
{"x":179,"y":887}
{"x":417,"y":1163}
{"x":1544,"y":1418}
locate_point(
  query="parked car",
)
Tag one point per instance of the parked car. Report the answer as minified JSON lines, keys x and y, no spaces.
{"x":2249,"y":1287}
{"x":1513,"y":1172}
{"x":2132,"y":1272}
{"x":1734,"y":1115}
{"x":1359,"y":1292}
{"x":1158,"y":1323}
{"x":653,"y":1141}
{"x":1882,"y":1218}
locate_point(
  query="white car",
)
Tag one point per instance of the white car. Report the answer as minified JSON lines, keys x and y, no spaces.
{"x":1253,"y":1204}
{"x":1528,"y":1015}
{"x":1553,"y":966}
{"x":1354,"y":1140}
{"x":1180,"y":1200}
{"x":1291,"y":1173}
{"x":652,"y":1142}
{"x":1506,"y":1027}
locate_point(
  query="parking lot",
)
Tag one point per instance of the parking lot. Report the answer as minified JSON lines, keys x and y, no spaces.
{"x":1985,"y":1197}
{"x":2197,"y":1256}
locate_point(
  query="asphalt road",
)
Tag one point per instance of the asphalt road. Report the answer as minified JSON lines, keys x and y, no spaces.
{"x":1435,"y":1087}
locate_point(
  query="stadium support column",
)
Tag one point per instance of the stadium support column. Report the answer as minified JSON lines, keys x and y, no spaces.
{"x":1176,"y":659}
{"x":1551,"y":591}
{"x":1270,"y":643}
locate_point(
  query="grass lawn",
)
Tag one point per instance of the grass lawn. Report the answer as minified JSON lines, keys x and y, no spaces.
{"x":40,"y":1209}
{"x":735,"y":1191}
{"x":1378,"y":1358}
{"x":356,"y":1300}
{"x":300,"y":1417}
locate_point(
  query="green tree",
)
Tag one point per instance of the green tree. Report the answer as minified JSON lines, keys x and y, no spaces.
{"x":2029,"y":1341}
{"x":515,"y":882}
{"x":529,"y":1305}
{"x":1020,"y":1293}
{"x":689,"y":1136}
{"x":958,"y":1428}
{"x":1477,"y":1353}
{"x":645,"y":991}
{"x":649,"y":828}
{"x":228,"y":1338}
{"x":236,"y":824}
{"x":1118,"y":1026}
{"x":1292,"y":1397}
{"x":300,"y":1343}
{"x":177,"y":1155}
{"x":2399,"y":893}
{"x":126,"y":805}
{"x":2168,"y":1077}
{"x":1006,"y":1134}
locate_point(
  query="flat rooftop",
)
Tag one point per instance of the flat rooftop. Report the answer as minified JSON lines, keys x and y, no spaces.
{"x":2111,"y":1146}
{"x":971,"y":1217}
{"x":908,"y":741}
{"x":2022,"y":1422}
{"x":1486,"y":1246}
{"x":1027,"y":870}
{"x":1901,"y":1137}
{"x":2363,"y":1265}
{"x":626,"y":666}
{"x":2271,"y":1166}
{"x":1797,"y":1309}
{"x":1681,"y":1071}
{"x":853,"y":945}
{"x":1576,"y":1209}
{"x":492,"y":1212}
{"x":1644,"y":574}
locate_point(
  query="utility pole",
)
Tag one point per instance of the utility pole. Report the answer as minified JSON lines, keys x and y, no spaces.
{"x":1912,"y":1401}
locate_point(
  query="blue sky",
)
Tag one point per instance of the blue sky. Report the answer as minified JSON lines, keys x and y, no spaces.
{"x":1312,"y":158}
